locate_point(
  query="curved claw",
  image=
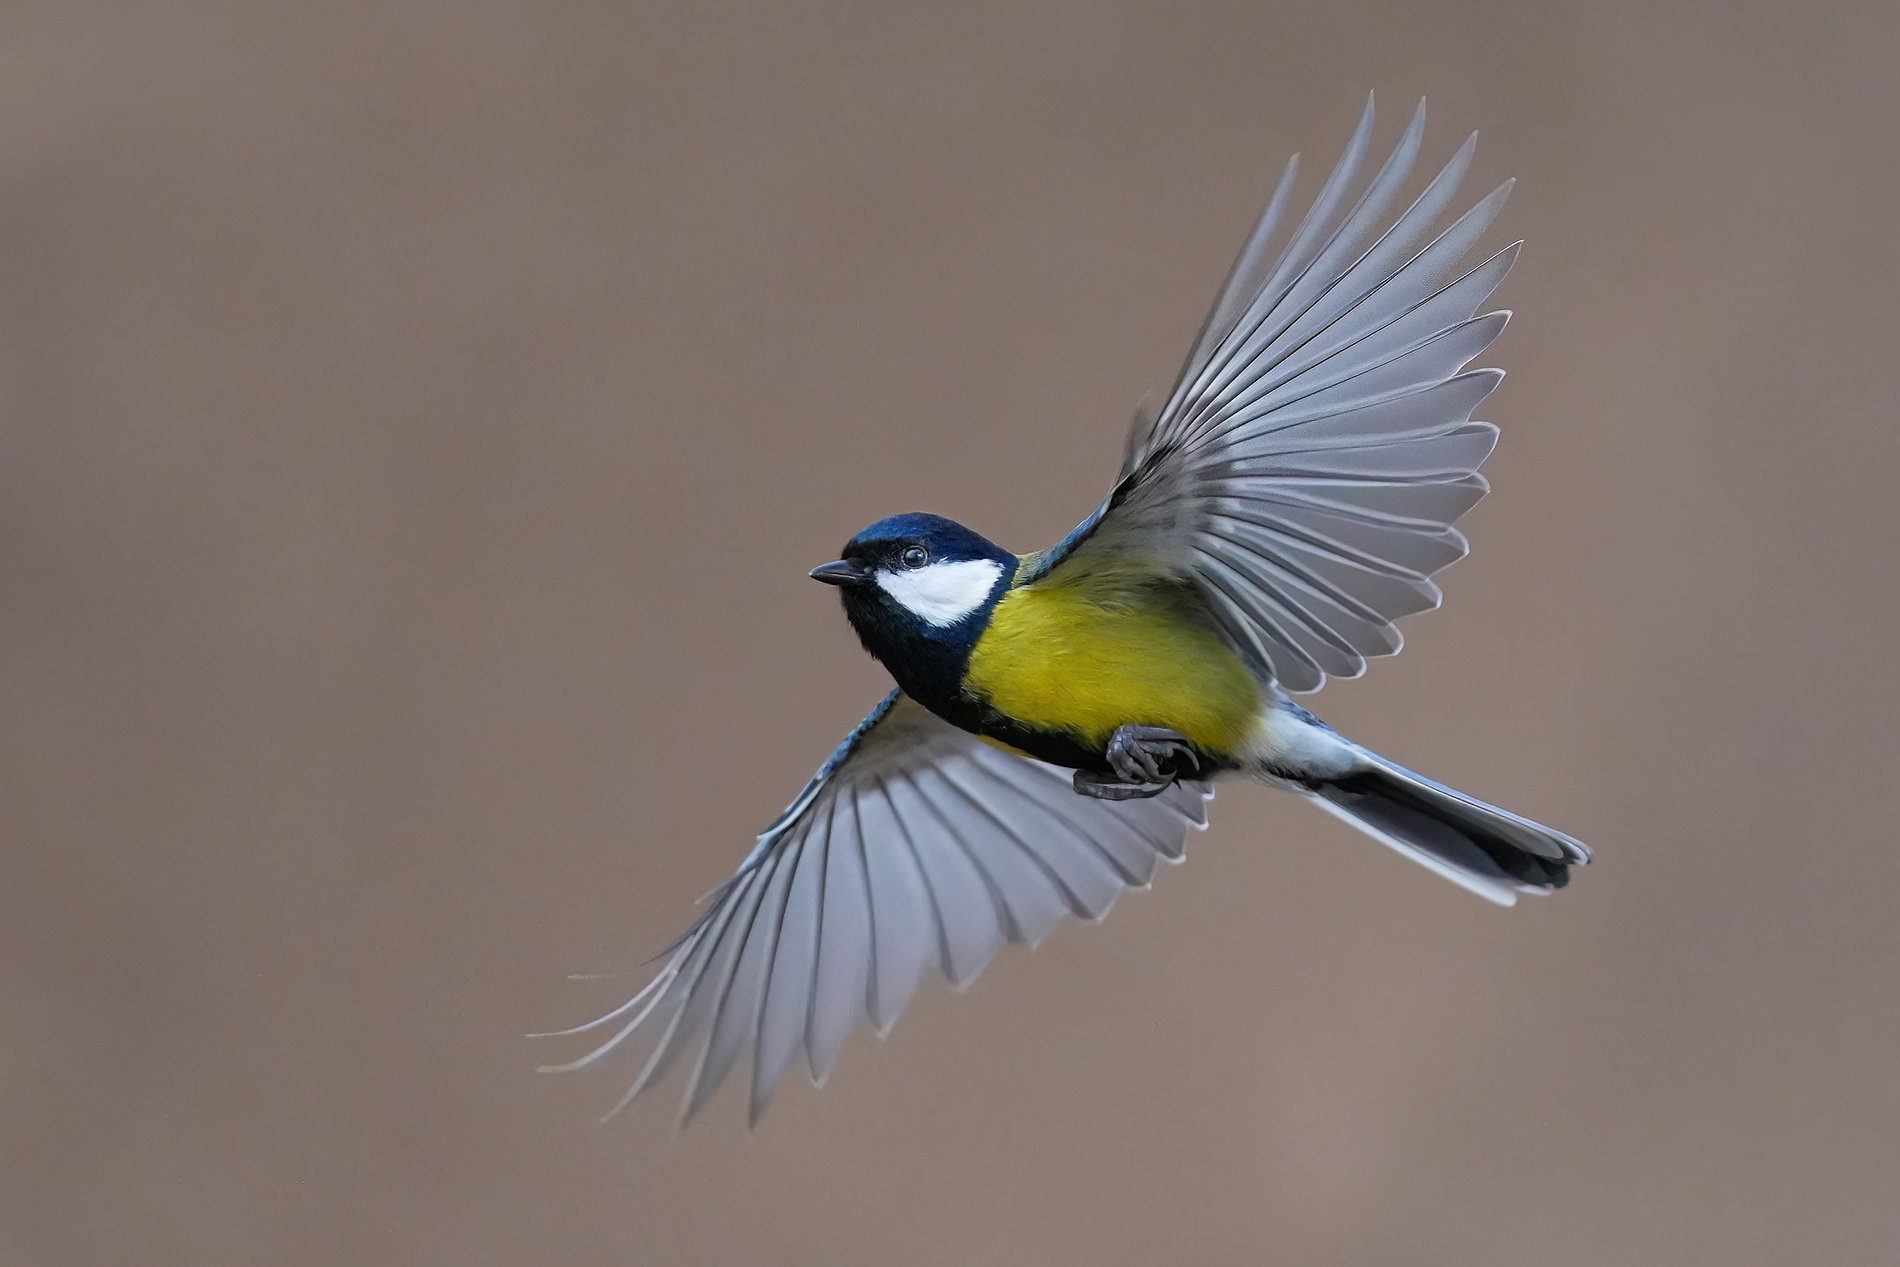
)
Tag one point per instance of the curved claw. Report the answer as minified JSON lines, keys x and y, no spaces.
{"x":1152,"y":754}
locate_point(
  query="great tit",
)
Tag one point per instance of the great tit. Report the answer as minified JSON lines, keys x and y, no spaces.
{"x":1059,"y":716}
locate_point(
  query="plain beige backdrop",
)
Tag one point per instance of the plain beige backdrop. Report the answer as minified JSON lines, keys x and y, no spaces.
{"x":418,"y":419}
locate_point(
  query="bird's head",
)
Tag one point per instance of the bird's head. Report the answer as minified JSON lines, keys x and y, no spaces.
{"x":918,"y":583}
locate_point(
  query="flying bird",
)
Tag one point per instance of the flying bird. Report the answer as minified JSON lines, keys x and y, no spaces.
{"x":1059,"y":717}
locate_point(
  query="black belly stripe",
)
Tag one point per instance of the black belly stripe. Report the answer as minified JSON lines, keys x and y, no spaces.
{"x":979,"y":718}
{"x":1057,"y":747}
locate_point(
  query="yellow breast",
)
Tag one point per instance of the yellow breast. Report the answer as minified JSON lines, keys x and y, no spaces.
{"x":1085,"y":660}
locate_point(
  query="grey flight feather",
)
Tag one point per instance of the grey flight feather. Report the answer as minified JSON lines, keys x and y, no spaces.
{"x":916,"y":847}
{"x":1306,"y":468}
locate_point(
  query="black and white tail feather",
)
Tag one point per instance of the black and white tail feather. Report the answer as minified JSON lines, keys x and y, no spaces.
{"x":1492,"y":852}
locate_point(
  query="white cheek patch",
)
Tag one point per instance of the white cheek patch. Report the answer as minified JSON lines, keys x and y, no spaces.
{"x":943,"y":593}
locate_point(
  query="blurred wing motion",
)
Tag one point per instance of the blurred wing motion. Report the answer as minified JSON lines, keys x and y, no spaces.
{"x":915,"y":845}
{"x":1305,"y":471}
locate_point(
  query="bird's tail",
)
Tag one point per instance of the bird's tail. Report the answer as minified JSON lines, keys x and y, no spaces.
{"x":1490,"y":851}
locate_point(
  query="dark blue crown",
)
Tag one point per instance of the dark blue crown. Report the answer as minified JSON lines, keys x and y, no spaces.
{"x":946,"y":539}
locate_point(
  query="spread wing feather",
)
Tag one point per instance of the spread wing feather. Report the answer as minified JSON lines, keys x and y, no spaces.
{"x":1306,"y":468}
{"x":916,"y":846}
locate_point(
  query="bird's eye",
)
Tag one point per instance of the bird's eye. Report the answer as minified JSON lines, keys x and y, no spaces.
{"x":914,"y":557}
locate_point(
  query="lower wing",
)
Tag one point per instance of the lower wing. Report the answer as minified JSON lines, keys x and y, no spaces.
{"x":916,"y":845}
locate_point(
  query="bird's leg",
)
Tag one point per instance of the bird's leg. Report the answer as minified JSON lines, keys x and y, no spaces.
{"x":1145,"y":760}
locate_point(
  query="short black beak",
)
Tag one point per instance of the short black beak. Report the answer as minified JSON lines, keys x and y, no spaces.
{"x":839,"y":573}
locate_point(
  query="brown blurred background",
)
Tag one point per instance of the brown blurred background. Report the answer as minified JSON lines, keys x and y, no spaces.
{"x":418,"y":419}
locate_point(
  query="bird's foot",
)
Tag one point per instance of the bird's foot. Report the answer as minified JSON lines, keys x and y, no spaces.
{"x":1152,"y":754}
{"x":1145,"y":761}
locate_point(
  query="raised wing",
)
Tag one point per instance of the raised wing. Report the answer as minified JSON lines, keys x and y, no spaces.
{"x":1305,"y":471}
{"x":916,"y":845}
